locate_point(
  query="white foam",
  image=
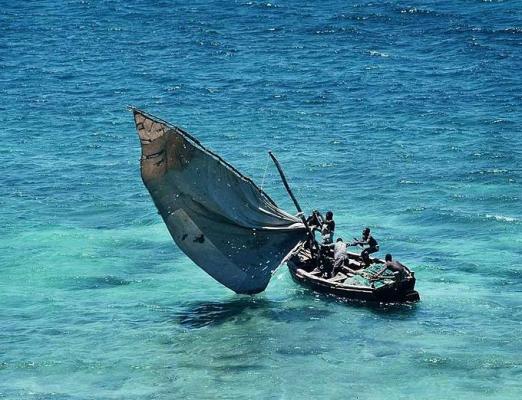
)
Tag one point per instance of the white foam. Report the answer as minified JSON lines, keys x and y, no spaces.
{"x":501,"y":218}
{"x":378,"y":53}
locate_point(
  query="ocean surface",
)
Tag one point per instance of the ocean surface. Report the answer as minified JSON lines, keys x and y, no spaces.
{"x":404,"y":116}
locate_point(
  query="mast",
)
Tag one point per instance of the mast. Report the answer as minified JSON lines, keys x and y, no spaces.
{"x":285,"y":182}
{"x":296,"y":203}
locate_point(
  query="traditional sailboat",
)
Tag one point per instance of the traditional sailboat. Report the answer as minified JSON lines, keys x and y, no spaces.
{"x":218,"y":217}
{"x":354,"y":281}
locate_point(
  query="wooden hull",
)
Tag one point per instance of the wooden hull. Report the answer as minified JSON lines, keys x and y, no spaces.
{"x":299,"y":263}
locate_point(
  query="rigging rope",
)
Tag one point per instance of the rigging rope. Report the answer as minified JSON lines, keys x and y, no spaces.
{"x":264,"y":174}
{"x":304,"y":199}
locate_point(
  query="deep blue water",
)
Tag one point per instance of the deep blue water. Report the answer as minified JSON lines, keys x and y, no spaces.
{"x":403,"y":116}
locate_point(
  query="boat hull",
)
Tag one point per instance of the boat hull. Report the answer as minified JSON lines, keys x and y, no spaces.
{"x":298,"y":265}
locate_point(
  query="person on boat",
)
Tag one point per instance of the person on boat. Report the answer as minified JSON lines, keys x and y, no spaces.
{"x":399,"y":270}
{"x":328,"y":228}
{"x":315,"y":220}
{"x":340,"y":255}
{"x":367,"y":240}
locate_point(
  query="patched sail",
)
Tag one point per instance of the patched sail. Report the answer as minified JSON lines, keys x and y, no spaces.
{"x":217,"y":216}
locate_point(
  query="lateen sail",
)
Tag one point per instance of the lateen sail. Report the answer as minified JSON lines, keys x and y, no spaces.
{"x":217,"y":216}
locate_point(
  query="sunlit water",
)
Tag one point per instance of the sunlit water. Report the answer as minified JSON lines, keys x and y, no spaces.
{"x":405,"y":117}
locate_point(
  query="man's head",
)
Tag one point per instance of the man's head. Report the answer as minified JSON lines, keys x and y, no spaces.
{"x":366,"y":231}
{"x":388,"y":257}
{"x":329,"y":215}
{"x":339,"y":240}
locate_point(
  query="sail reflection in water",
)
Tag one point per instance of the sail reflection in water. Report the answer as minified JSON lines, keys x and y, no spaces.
{"x":217,"y":216}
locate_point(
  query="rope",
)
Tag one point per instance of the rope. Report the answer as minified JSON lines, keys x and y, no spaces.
{"x":305,"y":198}
{"x":264,"y":174}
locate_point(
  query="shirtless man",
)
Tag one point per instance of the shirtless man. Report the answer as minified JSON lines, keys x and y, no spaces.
{"x":398,"y":269}
{"x":369,"y":241}
{"x":328,"y":228}
{"x":315,"y":220}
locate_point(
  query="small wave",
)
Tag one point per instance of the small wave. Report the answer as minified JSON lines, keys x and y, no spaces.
{"x":501,"y":218}
{"x":331,"y":30}
{"x":513,"y":30}
{"x":417,"y":11}
{"x":293,"y":351}
{"x":173,"y":88}
{"x":364,"y":17}
{"x":436,"y":361}
{"x":469,"y":217}
{"x":261,"y":4}
{"x":485,"y":198}
{"x":415,"y":209}
{"x":322,"y":165}
{"x":501,"y":121}
{"x":491,"y":171}
{"x":489,"y":155}
{"x":478,"y":29}
{"x":98,"y":282}
{"x":325,"y":31}
{"x":378,"y":53}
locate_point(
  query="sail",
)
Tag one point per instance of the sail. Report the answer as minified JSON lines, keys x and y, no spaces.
{"x":217,"y":216}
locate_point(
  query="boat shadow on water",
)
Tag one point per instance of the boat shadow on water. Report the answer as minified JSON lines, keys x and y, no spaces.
{"x":242,"y":310}
{"x":200,"y":314}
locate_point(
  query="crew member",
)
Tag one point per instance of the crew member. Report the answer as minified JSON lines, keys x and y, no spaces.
{"x":315,"y":221}
{"x":398,"y":269}
{"x":340,"y":256}
{"x":367,"y":240}
{"x":328,"y":228}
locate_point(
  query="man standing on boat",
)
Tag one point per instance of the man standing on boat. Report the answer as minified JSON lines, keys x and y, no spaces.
{"x":369,"y":241}
{"x":328,"y":228}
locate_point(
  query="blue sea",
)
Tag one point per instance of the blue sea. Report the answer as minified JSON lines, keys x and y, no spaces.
{"x":404,"y":116}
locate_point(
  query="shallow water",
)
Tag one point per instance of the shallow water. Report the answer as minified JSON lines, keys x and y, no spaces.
{"x":402,"y":117}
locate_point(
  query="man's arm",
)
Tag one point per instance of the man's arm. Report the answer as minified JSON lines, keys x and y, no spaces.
{"x":357,"y":242}
{"x":379,"y":273}
{"x":367,"y":241}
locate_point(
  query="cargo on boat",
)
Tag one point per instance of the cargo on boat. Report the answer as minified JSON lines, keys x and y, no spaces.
{"x":353,"y":281}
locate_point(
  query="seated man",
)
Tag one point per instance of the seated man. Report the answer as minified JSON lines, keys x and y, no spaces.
{"x":324,"y":266}
{"x":398,"y":269}
{"x":369,"y":241}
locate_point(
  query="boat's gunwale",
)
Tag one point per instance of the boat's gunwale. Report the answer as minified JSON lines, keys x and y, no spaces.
{"x":326,"y":282}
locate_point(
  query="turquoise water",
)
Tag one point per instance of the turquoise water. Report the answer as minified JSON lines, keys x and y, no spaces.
{"x":403,"y":116}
